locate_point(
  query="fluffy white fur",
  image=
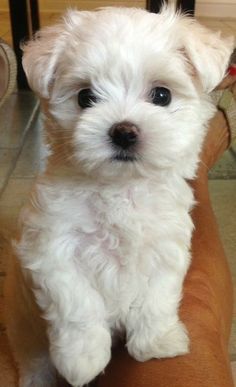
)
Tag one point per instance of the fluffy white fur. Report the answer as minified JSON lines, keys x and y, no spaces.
{"x":105,"y":245}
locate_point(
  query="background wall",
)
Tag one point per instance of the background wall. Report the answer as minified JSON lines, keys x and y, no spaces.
{"x":216,"y":8}
{"x":207,"y":8}
{"x":52,"y":5}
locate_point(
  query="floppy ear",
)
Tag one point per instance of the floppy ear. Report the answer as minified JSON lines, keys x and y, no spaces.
{"x":41,"y":54}
{"x":40,"y":57}
{"x":208,"y":53}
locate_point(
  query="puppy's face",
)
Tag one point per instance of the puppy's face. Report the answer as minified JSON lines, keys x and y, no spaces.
{"x":129,"y":87}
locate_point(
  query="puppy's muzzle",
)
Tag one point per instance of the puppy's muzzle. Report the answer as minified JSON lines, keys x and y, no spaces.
{"x":124,"y":135}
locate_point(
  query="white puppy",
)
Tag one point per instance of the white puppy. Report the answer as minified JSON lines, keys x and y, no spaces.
{"x":105,"y":240}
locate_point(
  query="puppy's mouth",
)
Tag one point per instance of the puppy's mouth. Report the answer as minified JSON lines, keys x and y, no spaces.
{"x":124,"y":157}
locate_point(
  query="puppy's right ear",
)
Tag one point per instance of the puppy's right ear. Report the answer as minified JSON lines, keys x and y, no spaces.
{"x":40,"y":58}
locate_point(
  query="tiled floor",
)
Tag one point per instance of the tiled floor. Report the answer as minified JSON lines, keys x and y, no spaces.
{"x":14,"y":127}
{"x":19,"y":160}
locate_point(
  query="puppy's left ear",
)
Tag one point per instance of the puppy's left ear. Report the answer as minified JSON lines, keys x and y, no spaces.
{"x":41,"y":56}
{"x":207,"y":51}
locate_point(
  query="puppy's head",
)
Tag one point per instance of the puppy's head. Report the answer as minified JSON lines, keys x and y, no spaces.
{"x":129,"y":87}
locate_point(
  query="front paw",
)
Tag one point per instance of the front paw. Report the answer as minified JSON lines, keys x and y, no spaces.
{"x":84,"y":357}
{"x":172,"y":343}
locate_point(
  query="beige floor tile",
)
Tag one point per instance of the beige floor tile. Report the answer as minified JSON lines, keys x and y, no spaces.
{"x":2,"y":183}
{"x":223,"y":195}
{"x":224,"y":28}
{"x":15,"y":116}
{"x":7,"y":160}
{"x":218,"y":26}
{"x":225,"y":168}
{"x":226,"y":32}
{"x":231,"y":24}
{"x":16,"y":192}
{"x":211,"y":19}
{"x":27,"y":164}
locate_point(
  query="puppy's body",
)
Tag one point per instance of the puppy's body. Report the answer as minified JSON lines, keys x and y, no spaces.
{"x":105,"y":241}
{"x":102,"y":246}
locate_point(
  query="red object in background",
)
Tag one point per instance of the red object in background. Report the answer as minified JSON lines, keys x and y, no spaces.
{"x":232,"y":70}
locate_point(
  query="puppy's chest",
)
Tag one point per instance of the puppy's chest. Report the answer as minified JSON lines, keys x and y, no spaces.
{"x":122,"y":224}
{"x":113,"y":254}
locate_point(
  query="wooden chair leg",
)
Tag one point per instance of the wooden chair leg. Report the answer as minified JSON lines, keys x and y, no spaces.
{"x":187,"y":6}
{"x":154,"y":5}
{"x":28,"y":14}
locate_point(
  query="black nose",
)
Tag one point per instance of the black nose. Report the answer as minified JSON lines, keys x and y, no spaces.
{"x":124,"y":134}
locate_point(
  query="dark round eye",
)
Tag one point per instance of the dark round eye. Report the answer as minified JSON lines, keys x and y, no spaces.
{"x":86,"y":98}
{"x":161,"y":96}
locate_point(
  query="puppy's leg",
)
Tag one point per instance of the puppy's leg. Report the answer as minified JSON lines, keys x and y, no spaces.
{"x":80,"y":353}
{"x":154,"y":329}
{"x":79,"y":338}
